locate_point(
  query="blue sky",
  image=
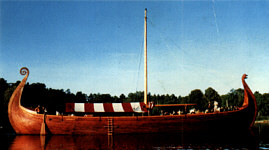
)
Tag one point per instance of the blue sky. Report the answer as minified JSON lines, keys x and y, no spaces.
{"x":96,"y":46}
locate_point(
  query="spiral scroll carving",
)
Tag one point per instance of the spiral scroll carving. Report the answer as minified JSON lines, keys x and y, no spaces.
{"x":24,"y":71}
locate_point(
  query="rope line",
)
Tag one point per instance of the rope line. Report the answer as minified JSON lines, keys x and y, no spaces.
{"x":139,"y":64}
{"x":215,"y":16}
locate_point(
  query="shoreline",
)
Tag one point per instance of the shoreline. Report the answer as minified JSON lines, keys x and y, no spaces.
{"x":262,"y":121}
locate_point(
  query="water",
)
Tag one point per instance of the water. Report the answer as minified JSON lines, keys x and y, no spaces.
{"x":255,"y":139}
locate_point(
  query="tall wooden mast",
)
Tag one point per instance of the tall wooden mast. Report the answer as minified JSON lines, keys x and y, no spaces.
{"x":145,"y":61}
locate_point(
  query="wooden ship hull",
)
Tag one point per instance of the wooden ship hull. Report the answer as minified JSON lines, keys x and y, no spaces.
{"x":25,"y":121}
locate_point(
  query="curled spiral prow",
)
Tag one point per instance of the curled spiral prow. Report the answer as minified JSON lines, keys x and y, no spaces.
{"x":14,"y":105}
{"x":24,"y":71}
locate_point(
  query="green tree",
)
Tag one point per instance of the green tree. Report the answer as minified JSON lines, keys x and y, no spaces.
{"x":122,"y":98}
{"x":240,"y":96}
{"x":185,"y":100}
{"x":135,"y":97}
{"x":231,"y":98}
{"x":4,"y":121}
{"x":106,"y":98}
{"x":212,"y":95}
{"x":34,"y":94}
{"x":197,"y":97}
{"x":3,"y":106}
{"x":80,"y":97}
{"x":90,"y":98}
{"x":265,"y":103}
{"x":68,"y":91}
{"x":260,"y":99}
{"x":116,"y":99}
{"x":8,"y":93}
{"x":224,"y":100}
{"x":3,"y":87}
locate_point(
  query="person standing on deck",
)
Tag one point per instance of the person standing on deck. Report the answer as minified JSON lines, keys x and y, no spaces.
{"x":37,"y":109}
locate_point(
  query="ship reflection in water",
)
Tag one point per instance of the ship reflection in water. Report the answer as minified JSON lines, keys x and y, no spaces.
{"x":244,"y":140}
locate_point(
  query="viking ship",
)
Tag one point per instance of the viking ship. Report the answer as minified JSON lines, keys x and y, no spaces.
{"x":26,"y":121}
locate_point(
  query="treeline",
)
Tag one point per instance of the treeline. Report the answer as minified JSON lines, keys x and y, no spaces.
{"x":54,"y":99}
